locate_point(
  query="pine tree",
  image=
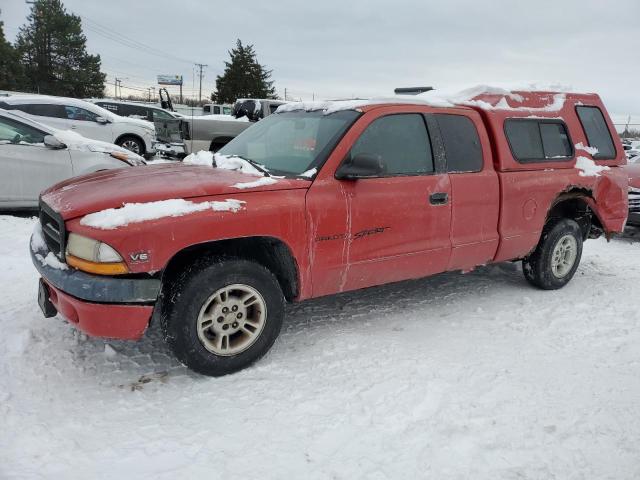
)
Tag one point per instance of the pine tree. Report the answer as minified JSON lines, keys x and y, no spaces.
{"x":11,"y":72}
{"x":53,"y":51}
{"x":243,"y":77}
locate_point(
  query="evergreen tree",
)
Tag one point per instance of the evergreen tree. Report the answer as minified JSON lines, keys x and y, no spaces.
{"x":243,"y":77}
{"x":11,"y":72}
{"x":53,"y":51}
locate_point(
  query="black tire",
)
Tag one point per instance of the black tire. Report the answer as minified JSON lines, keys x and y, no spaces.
{"x":189,"y":292}
{"x":537,"y":267}
{"x":129,"y":141}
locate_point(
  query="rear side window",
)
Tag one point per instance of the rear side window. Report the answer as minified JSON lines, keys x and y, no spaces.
{"x":400,"y":141}
{"x":598,"y":134}
{"x":538,"y":140}
{"x":461,"y":143}
{"x":43,"y":110}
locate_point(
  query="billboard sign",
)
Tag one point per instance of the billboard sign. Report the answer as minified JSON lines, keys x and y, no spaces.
{"x":169,"y":79}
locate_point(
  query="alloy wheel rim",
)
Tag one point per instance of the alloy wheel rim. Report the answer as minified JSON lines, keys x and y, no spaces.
{"x":564,"y":256}
{"x":231,"y":319}
{"x":131,"y":146}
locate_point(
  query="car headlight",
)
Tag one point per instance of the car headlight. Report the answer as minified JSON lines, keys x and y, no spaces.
{"x":93,"y":256}
{"x":134,"y":161}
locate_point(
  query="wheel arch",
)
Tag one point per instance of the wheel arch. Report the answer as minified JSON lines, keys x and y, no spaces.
{"x":577,"y":204}
{"x":270,"y":252}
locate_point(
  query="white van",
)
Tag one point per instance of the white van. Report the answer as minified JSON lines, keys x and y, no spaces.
{"x":87,"y":119}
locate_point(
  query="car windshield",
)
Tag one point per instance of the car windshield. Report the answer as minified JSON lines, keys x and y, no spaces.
{"x":291,"y":143}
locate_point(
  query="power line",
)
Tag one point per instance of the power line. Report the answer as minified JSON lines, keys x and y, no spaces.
{"x":109,"y":34}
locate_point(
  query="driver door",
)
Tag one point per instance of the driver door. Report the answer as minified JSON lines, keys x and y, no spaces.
{"x":393,"y":227}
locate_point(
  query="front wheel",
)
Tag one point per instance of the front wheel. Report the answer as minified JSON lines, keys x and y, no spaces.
{"x":557,"y":256}
{"x":132,"y":144}
{"x":222,"y":315}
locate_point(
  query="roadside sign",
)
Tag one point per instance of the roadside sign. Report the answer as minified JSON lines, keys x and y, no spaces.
{"x":169,"y":79}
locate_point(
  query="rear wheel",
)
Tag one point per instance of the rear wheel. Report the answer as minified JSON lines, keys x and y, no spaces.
{"x":222,"y":315}
{"x":132,"y":144}
{"x":557,"y":256}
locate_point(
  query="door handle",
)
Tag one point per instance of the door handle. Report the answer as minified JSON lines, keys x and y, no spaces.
{"x":439,"y":198}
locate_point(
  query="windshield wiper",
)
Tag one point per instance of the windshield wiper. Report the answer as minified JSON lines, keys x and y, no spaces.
{"x":255,"y":164}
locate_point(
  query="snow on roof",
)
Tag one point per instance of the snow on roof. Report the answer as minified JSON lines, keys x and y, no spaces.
{"x":480,"y":97}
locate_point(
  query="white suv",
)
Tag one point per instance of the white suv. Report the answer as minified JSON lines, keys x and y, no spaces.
{"x":87,"y":119}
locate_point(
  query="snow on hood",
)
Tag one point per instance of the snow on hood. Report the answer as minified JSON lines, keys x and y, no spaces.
{"x":112,"y":218}
{"x":75,"y":141}
{"x":443,"y":98}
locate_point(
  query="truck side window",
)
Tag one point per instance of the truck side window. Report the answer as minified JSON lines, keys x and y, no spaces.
{"x":461,"y":143}
{"x":538,"y":140}
{"x":597,"y":131}
{"x":400,"y":141}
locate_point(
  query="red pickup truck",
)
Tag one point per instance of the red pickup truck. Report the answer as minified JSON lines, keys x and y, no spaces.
{"x":323,"y":198}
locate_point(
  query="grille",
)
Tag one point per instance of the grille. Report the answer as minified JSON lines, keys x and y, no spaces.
{"x":634,"y":202}
{"x":52,"y":230}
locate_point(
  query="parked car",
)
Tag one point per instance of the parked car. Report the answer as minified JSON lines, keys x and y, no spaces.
{"x":34,"y":157}
{"x":324,"y":198}
{"x":166,"y":122}
{"x":212,"y":132}
{"x":633,"y":171}
{"x":87,"y":119}
{"x":141,"y":111}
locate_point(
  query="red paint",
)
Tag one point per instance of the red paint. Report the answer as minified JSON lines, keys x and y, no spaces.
{"x":493,"y":215}
{"x":127,"y":322}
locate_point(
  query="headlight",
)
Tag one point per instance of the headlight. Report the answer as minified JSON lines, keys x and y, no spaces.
{"x":132,"y":160}
{"x":93,"y":256}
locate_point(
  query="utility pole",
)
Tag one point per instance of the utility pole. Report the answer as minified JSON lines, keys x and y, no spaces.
{"x":285,"y":94}
{"x":200,"y":66}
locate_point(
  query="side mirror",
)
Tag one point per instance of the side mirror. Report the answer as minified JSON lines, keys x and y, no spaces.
{"x":363,"y":165}
{"x":52,"y":142}
{"x":102,"y":120}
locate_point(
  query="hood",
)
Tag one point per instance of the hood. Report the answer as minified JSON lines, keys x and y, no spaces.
{"x":112,"y":188}
{"x":137,"y":121}
{"x":633,"y":170}
{"x":75,"y":141}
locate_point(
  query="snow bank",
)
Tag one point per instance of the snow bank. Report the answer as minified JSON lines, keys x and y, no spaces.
{"x":221,"y":161}
{"x":588,"y":167}
{"x":436,"y":98}
{"x":590,"y":150}
{"x":141,"y":212}
{"x":257,"y":183}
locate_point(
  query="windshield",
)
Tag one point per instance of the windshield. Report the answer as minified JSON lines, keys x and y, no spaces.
{"x":291,"y":143}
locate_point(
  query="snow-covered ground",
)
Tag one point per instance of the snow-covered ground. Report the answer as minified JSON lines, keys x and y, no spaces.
{"x":457,"y":376}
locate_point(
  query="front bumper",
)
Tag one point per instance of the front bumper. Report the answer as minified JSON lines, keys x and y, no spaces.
{"x":100,"y":306}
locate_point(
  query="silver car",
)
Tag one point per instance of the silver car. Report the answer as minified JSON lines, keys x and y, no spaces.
{"x":34,"y":156}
